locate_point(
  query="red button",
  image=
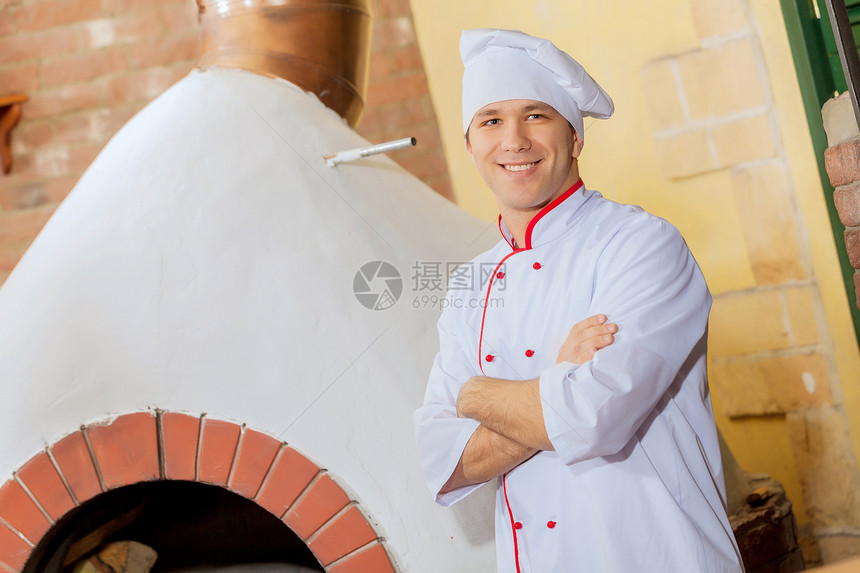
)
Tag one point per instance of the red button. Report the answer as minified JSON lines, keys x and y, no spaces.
{"x":536,"y":266}
{"x":500,"y":275}
{"x":530,"y":353}
{"x":518,"y":525}
{"x":489,"y":357}
{"x":550,"y":524}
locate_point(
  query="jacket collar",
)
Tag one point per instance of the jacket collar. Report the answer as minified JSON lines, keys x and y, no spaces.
{"x":550,"y":222}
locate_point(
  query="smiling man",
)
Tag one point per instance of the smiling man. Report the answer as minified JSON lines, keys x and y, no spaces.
{"x":601,"y":439}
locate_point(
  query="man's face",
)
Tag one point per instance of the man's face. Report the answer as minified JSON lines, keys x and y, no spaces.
{"x":526,"y":152}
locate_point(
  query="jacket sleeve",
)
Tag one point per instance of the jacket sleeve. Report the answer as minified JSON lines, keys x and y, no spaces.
{"x":441,"y":435}
{"x":648,"y":283}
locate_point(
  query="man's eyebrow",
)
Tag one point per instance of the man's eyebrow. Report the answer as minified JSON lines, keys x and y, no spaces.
{"x":536,"y":107}
{"x":486,"y":112}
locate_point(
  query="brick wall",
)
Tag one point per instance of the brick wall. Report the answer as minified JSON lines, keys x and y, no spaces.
{"x":842,"y":161}
{"x":89,"y":65}
{"x":398,"y":99}
{"x":713,"y":114}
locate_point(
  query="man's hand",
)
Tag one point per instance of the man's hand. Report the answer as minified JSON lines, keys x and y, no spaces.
{"x":586,"y":338}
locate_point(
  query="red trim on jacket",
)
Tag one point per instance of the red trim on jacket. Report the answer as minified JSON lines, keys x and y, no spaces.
{"x":513,"y":527}
{"x":486,"y":302}
{"x":555,"y":203}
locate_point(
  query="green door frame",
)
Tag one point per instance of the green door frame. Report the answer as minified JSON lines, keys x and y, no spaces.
{"x":819,"y":81}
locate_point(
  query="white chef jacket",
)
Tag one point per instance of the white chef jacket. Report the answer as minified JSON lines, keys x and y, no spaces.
{"x":635,"y":483}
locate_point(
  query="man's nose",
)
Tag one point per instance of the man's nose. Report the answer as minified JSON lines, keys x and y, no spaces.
{"x":515,"y":138}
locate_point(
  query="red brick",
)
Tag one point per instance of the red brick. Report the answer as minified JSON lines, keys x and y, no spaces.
{"x":126,"y":6}
{"x":73,"y":459}
{"x":143,"y":85}
{"x":441,"y":184}
{"x":19,"y":511}
{"x":843,"y":163}
{"x":391,"y":8}
{"x":324,"y":499}
{"x":82,"y":156}
{"x":123,"y":29}
{"x":126,"y":449}
{"x":407,"y":58}
{"x":53,"y":162}
{"x":180,"y":18}
{"x":163,"y":51}
{"x":19,"y":79}
{"x":393,"y":116}
{"x":372,"y":559}
{"x":30,"y":135}
{"x":38,"y":16}
{"x":82,"y":67}
{"x":393,"y":32}
{"x":256,"y":454}
{"x":7,"y":24}
{"x":852,"y":244}
{"x":43,"y":163}
{"x":22,"y":226}
{"x":342,"y":536}
{"x":847,"y":201}
{"x":290,"y":474}
{"x":61,"y":100}
{"x":857,"y":288}
{"x":34,"y":46}
{"x":13,"y":550}
{"x":95,"y":126}
{"x":9,"y":256}
{"x":421,"y":165}
{"x":396,"y":89}
{"x":41,"y":478}
{"x":379,"y":65}
{"x":217,"y":450}
{"x":181,"y":433}
{"x":427,"y":136}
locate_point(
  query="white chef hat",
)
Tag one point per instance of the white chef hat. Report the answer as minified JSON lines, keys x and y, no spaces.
{"x":508,"y":64}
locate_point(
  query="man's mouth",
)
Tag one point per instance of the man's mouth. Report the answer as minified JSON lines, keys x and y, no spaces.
{"x":519,"y":166}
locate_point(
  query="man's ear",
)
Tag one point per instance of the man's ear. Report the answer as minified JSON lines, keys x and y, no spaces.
{"x":577,"y":144}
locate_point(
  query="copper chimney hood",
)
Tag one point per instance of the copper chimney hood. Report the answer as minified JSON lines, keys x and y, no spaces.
{"x":323,"y":46}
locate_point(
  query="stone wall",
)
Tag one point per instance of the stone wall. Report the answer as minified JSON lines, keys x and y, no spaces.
{"x":772,"y":365}
{"x":89,"y":65}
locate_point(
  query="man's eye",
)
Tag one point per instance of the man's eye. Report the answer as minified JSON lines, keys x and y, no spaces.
{"x":535,"y":115}
{"x":492,"y":122}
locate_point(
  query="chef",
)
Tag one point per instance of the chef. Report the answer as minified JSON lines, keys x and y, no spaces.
{"x":604,"y":461}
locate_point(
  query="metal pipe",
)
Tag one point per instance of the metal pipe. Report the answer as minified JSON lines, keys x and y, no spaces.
{"x":323,"y":46}
{"x":359,"y":152}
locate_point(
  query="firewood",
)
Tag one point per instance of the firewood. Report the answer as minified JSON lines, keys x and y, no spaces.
{"x":93,"y":539}
{"x":119,"y":557}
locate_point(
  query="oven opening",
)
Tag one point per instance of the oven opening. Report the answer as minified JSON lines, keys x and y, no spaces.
{"x":192,"y":527}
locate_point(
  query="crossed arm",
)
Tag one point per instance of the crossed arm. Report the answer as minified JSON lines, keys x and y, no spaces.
{"x":510,"y":412}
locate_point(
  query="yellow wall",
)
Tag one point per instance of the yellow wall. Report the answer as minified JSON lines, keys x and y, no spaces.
{"x":709,"y":133}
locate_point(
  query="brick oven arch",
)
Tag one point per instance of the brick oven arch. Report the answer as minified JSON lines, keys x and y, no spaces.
{"x":145,"y":446}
